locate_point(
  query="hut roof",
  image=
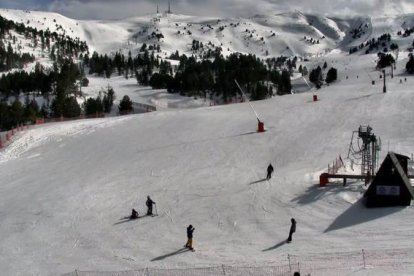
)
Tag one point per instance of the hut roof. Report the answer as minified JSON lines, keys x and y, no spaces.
{"x":401,"y":172}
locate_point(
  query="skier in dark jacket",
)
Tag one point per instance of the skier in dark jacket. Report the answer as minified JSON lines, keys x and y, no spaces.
{"x":189,"y":244}
{"x":149,"y":204}
{"x":269,"y":171}
{"x":292,"y":229}
{"x":134,"y":214}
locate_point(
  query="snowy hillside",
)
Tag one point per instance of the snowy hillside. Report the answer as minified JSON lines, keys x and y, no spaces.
{"x":268,"y":35}
{"x":66,"y":186}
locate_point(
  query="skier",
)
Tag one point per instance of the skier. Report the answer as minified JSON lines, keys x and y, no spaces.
{"x":149,"y":204}
{"x":189,"y":244}
{"x":134,"y":214}
{"x":269,"y":171}
{"x":292,"y":229}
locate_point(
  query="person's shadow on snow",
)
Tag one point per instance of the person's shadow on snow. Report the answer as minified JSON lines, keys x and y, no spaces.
{"x":275,"y":246}
{"x":127,"y":219}
{"x":179,"y":251}
{"x":257,"y":181}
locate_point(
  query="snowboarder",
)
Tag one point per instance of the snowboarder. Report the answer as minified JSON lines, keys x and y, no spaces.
{"x":292,"y":229}
{"x":134,"y":214}
{"x":189,"y":244}
{"x":269,"y":171}
{"x":149,"y":204}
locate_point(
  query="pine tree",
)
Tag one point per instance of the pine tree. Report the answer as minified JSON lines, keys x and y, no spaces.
{"x":108,"y":100}
{"x":410,"y":65}
{"x":332,"y":75}
{"x":316,"y":77}
{"x":125,"y":105}
{"x":385,"y":60}
{"x":71,"y":108}
{"x":284,"y":86}
{"x":31,"y":110}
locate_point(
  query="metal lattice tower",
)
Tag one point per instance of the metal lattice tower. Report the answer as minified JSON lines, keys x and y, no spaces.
{"x":366,"y":154}
{"x":369,"y":150}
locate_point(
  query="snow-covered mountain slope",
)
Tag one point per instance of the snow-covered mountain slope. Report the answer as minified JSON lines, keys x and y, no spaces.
{"x":65,"y":187}
{"x":264,"y":35}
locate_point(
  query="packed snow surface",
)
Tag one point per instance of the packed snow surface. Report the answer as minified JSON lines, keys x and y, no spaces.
{"x":66,"y":187}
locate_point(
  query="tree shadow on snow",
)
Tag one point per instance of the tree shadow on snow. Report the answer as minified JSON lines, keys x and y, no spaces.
{"x":195,"y":142}
{"x":358,"y":213}
{"x":179,"y":251}
{"x":257,"y":181}
{"x":315,"y":193}
{"x":275,"y":246}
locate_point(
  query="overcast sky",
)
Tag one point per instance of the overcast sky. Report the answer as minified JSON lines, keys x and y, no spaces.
{"x":115,"y":9}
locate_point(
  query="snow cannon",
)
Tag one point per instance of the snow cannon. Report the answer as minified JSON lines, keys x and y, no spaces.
{"x":323,"y":179}
{"x":260,"y":126}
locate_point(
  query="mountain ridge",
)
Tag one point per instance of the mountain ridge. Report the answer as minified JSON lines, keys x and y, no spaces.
{"x":287,"y":33}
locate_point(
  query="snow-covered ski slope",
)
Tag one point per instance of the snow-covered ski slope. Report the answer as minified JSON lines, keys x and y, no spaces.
{"x":65,"y":186}
{"x":267,"y":35}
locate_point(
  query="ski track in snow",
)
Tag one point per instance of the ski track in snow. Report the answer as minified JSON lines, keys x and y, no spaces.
{"x":53,"y":132}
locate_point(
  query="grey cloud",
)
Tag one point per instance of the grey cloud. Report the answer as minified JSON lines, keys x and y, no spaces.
{"x":115,"y":9}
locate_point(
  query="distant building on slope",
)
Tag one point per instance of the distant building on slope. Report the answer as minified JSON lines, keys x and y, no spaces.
{"x":391,"y":185}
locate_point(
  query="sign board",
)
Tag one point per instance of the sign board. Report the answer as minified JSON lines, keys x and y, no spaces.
{"x":388,"y":190}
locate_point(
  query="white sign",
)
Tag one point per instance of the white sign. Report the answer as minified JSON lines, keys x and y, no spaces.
{"x":388,"y":190}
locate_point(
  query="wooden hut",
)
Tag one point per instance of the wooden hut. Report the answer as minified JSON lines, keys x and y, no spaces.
{"x":390,"y":186}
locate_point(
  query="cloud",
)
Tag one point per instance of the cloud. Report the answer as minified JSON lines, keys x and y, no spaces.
{"x":116,"y":9}
{"x":24,"y":5}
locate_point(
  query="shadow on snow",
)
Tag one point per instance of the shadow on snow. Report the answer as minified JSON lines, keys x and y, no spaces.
{"x":257,"y":181}
{"x":128,"y":219}
{"x":179,"y":251}
{"x":275,"y":246}
{"x":358,"y":213}
{"x":315,"y":193}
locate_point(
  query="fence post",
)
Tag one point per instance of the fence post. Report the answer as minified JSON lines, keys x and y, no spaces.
{"x":363,"y":257}
{"x":224,"y":271}
{"x":290,"y":266}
